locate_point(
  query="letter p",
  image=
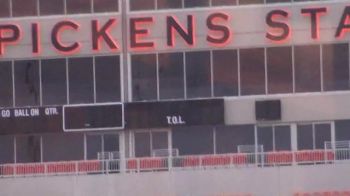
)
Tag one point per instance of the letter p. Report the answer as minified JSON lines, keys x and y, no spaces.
{"x":9,"y":33}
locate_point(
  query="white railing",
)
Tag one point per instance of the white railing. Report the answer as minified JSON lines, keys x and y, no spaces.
{"x":235,"y":160}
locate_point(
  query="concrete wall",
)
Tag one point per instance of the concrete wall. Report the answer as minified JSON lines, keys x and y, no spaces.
{"x":282,"y":181}
{"x":295,"y":108}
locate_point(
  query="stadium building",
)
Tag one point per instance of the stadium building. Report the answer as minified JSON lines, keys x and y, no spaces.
{"x":174,"y":97}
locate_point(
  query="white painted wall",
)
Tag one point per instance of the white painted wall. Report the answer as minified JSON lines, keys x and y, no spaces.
{"x":279,"y":181}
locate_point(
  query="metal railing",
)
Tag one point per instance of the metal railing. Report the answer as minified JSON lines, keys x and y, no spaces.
{"x":234,"y":160}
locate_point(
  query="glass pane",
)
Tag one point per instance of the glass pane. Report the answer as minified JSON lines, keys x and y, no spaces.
{"x":93,"y":146}
{"x":322,"y":135}
{"x":282,"y":138}
{"x":252,"y":71}
{"x":111,"y":143}
{"x":6,"y":149}
{"x":27,"y":83}
{"x":265,"y":138}
{"x":54,"y":81}
{"x":305,"y":137}
{"x":142,"y":144}
{"x":105,"y":5}
{"x":171,"y":75}
{"x":225,"y":70}
{"x":335,"y":67}
{"x":6,"y":98}
{"x":198,"y":76}
{"x":81,"y":88}
{"x":51,"y":7}
{"x":279,"y":70}
{"x":141,"y":5}
{"x":278,"y":1}
{"x":223,"y":2}
{"x":196,"y":3}
{"x":63,"y":147}
{"x":159,"y":140}
{"x":24,"y":8}
{"x":228,"y":138}
{"x":167,"y":4}
{"x":78,"y":6}
{"x":144,"y":77}
{"x":245,"y":2}
{"x":4,"y":8}
{"x":193,"y":140}
{"x":307,"y":68}
{"x":28,"y":149}
{"x":107,"y":70}
{"x":342,"y":130}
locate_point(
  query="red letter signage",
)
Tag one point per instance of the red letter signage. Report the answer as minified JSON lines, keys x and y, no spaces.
{"x":9,"y":34}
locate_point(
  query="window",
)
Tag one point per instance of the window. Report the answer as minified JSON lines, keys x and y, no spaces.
{"x":196,"y":3}
{"x":171,"y":75}
{"x":146,"y":142}
{"x":245,"y":2}
{"x":51,"y":7}
{"x":335,"y":67}
{"x":111,"y":143}
{"x":106,"y":5}
{"x":141,"y":5}
{"x":81,"y":88}
{"x":78,"y":6}
{"x":252,"y":66}
{"x":93,"y":146}
{"x":159,"y":140}
{"x":4,"y":8}
{"x":169,"y":4}
{"x":28,"y":149}
{"x":225,"y":70}
{"x":193,"y":140}
{"x":54,"y":81}
{"x":228,"y":138}
{"x":7,"y":149}
{"x":198,"y":74}
{"x":108,"y":84}
{"x":144,"y":77}
{"x":279,"y":70}
{"x":313,"y":136}
{"x":24,"y":8}
{"x":275,"y":138}
{"x":27,"y":83}
{"x":265,"y":138}
{"x":6,"y":98}
{"x":223,"y":2}
{"x":282,"y":138}
{"x":305,"y":137}
{"x":342,"y":132}
{"x":278,"y":1}
{"x":63,"y":147}
{"x":307,"y":68}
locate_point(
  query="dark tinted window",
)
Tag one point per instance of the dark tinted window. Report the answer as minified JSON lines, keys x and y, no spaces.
{"x":307,"y":68}
{"x":28,"y":149}
{"x":93,"y":146}
{"x":278,"y":1}
{"x":244,"y":2}
{"x":193,"y":140}
{"x":6,"y":98}
{"x":142,"y":4}
{"x":51,"y":7}
{"x":78,"y":6}
{"x":6,"y":149}
{"x":107,"y":70}
{"x":24,"y":8}
{"x":322,"y":135}
{"x":166,"y":4}
{"x":4,"y":8}
{"x":223,"y":2}
{"x":80,"y":80}
{"x":171,"y":75}
{"x":105,"y":5}
{"x":342,"y":130}
{"x":225,"y":72}
{"x":111,"y":143}
{"x":196,"y":3}
{"x":335,"y":67}
{"x":159,"y":140}
{"x":305,"y":137}
{"x":198,"y":76}
{"x":142,"y":144}
{"x":252,"y":67}
{"x":144,"y":77}
{"x":63,"y":147}
{"x":228,"y":138}
{"x":265,"y":138}
{"x":282,"y":138}
{"x":54,"y":81}
{"x":279,"y":70}
{"x":27,"y":83}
